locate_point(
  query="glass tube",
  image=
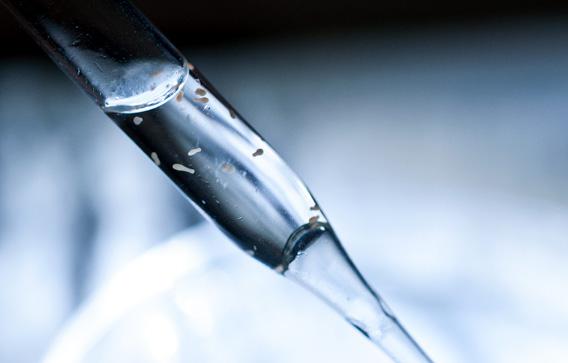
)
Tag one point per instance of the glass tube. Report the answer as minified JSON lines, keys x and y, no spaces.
{"x":108,"y":48}
{"x":166,"y":106}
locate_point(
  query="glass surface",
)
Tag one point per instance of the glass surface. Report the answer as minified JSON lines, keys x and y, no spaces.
{"x":225,"y":168}
{"x":108,"y":48}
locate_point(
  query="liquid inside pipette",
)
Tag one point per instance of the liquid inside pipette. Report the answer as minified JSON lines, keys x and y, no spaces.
{"x":315,"y":259}
{"x":239,"y":181}
{"x":219,"y":162}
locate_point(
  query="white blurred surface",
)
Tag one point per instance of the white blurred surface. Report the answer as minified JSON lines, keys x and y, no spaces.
{"x":197,"y":299}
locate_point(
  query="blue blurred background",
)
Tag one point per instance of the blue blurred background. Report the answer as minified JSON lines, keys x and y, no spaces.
{"x":439,"y":152}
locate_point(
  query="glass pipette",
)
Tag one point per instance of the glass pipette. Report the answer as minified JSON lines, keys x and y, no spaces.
{"x":166,"y":106}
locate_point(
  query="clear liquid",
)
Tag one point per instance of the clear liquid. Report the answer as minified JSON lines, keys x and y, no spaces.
{"x":318,"y":262}
{"x":236,"y":179}
{"x":224,"y":167}
{"x":108,"y":48}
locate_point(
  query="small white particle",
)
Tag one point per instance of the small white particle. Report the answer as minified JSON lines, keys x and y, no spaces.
{"x":194,"y":151}
{"x":155,"y":157}
{"x":137,"y":120}
{"x":250,"y":252}
{"x":279,"y":269}
{"x":203,"y":202}
{"x":184,"y":168}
